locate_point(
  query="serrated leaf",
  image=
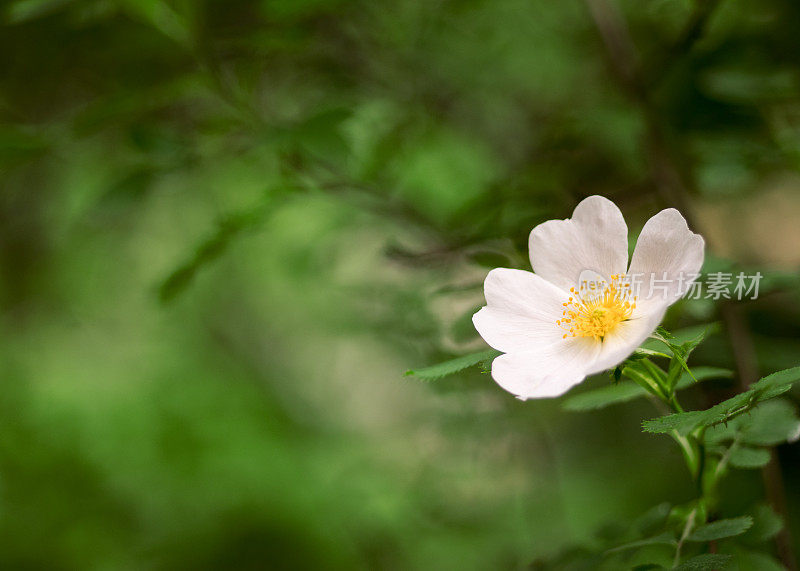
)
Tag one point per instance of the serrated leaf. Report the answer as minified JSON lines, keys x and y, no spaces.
{"x":680,"y":356}
{"x":662,"y":334}
{"x":683,"y":422}
{"x":772,"y":422}
{"x":786,"y":376}
{"x":706,"y":562}
{"x":453,"y":366}
{"x":722,"y":528}
{"x":766,"y":388}
{"x":747,"y":458}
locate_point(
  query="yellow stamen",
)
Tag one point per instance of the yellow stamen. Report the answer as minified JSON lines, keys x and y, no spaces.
{"x":597,"y":312}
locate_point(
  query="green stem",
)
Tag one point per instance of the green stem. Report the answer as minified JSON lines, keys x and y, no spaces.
{"x":690,"y":453}
{"x":687,"y":529}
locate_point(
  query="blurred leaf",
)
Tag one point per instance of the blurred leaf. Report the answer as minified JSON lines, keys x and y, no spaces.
{"x":605,"y":396}
{"x":766,"y":525}
{"x":227,"y":229}
{"x":745,"y":457}
{"x":442,"y":172}
{"x":721,"y":529}
{"x":18,"y":144}
{"x":162,"y":17}
{"x":772,"y":423}
{"x":706,"y":562}
{"x":489,"y":259}
{"x":741,"y":85}
{"x":747,"y":560}
{"x":26,"y":10}
{"x":454,"y":365}
{"x":652,"y":519}
{"x":660,"y":539}
{"x":462,"y":329}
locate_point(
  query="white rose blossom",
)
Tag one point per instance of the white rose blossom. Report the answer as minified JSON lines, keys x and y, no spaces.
{"x":553,"y":329}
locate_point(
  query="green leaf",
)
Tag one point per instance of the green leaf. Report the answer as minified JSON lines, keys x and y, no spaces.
{"x":755,"y":561}
{"x":779,"y":378}
{"x":662,"y":334}
{"x":645,"y":376}
{"x":702,"y":374}
{"x":653,"y":519}
{"x":605,"y":396}
{"x":683,"y":422}
{"x":766,"y":388}
{"x":766,"y":525}
{"x":680,"y":353}
{"x":722,"y":529}
{"x":462,"y":329}
{"x":626,"y":391}
{"x":454,"y":365}
{"x":746,"y":457}
{"x":660,"y":539}
{"x":213,"y":247}
{"x":642,"y":352}
{"x":706,"y":562}
{"x":771,"y":423}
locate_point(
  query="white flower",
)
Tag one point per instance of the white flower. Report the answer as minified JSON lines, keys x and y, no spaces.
{"x":553,"y":327}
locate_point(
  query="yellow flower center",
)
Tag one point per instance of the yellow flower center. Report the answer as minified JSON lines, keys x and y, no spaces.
{"x":596,"y":308}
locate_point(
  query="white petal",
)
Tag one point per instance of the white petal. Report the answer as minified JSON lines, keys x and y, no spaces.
{"x":595,"y":238}
{"x":624,"y":339}
{"x":546,"y":371}
{"x":667,"y":257}
{"x":521,"y":312}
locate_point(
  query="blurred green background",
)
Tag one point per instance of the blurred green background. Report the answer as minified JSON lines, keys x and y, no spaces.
{"x":227,"y":228}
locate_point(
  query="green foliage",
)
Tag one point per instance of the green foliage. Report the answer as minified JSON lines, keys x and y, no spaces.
{"x":228,"y":229}
{"x":706,"y":562}
{"x":625,"y":391}
{"x":224,"y":226}
{"x":721,"y":529}
{"x":766,"y":525}
{"x":724,"y":412}
{"x":680,"y":353}
{"x":605,"y":396}
{"x":453,"y":366}
{"x":773,"y":422}
{"x":749,"y":458}
{"x":660,"y":539}
{"x":748,"y":560}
